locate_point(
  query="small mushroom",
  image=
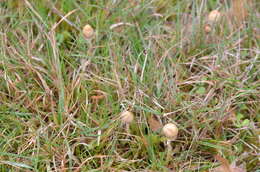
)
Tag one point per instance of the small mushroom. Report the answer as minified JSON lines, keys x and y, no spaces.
{"x":207,"y":28}
{"x":127,"y":117}
{"x":88,"y":31}
{"x":214,"y":16}
{"x":170,"y":130}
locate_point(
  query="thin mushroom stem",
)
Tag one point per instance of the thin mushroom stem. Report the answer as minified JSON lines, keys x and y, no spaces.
{"x":127,"y":128}
{"x":169,"y":150}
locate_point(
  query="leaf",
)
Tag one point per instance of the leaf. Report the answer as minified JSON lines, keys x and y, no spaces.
{"x":201,"y":90}
{"x":212,"y":145}
{"x":224,"y":164}
{"x":154,"y":124}
{"x":16,"y":164}
{"x":226,"y":167}
{"x":245,"y":122}
{"x":239,"y":116}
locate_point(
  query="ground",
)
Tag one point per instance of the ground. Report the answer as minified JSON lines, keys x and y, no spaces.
{"x":62,"y":93}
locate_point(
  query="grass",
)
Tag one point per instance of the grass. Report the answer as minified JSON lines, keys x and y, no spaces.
{"x":61,"y":95}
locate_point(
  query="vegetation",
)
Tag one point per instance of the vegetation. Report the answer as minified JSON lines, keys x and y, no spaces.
{"x":164,"y":61}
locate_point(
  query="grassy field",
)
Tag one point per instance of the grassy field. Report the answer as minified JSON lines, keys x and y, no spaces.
{"x":61,"y":95}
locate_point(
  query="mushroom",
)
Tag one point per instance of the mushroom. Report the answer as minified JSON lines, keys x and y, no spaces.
{"x":207,"y":29}
{"x":170,"y":130}
{"x":88,"y":31}
{"x":214,"y":16}
{"x":127,"y":117}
